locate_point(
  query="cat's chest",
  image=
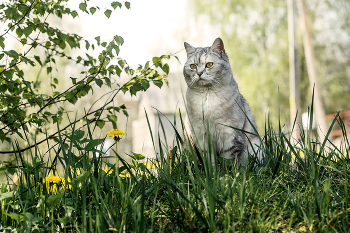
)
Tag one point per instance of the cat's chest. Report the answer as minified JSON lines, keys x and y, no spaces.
{"x":211,"y":105}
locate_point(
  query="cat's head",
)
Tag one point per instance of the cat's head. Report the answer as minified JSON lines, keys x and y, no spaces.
{"x":207,"y":66}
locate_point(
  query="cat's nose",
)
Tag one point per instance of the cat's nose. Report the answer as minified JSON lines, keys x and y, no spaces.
{"x":200,"y":73}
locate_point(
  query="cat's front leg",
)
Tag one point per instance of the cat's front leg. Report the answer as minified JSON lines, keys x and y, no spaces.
{"x":233,"y":148}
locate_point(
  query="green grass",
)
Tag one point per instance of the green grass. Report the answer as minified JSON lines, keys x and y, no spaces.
{"x":296,"y":188}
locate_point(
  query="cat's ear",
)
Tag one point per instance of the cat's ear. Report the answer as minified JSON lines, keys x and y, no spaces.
{"x":189,"y":49}
{"x":218,"y":47}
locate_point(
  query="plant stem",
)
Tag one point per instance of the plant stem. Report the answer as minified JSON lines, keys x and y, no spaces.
{"x":116,"y":159}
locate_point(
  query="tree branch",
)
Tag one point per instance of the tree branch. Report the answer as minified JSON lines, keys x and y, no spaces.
{"x":54,"y":134}
{"x":27,"y":12}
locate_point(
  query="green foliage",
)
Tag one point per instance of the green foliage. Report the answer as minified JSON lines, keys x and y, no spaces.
{"x":295,"y":189}
{"x":24,"y":108}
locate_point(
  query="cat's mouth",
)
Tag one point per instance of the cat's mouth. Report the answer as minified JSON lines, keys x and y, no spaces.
{"x":203,"y":82}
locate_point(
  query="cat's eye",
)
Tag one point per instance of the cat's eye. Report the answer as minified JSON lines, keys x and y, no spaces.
{"x":193,"y":66}
{"x":209,"y":64}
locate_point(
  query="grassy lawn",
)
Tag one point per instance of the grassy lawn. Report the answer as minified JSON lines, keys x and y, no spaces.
{"x":296,"y":188}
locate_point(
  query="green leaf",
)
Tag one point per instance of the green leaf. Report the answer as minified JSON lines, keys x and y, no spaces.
{"x":54,"y":199}
{"x":16,"y":216}
{"x":119,"y":40}
{"x":78,"y":135}
{"x":146,"y":65}
{"x":48,"y":69}
{"x":3,"y":88}
{"x":92,"y":10}
{"x":145,"y":84}
{"x":118,"y":71}
{"x":12,"y":53}
{"x":23,"y":8}
{"x":136,"y":156}
{"x":55,"y":80}
{"x":158,"y":83}
{"x":113,"y":118}
{"x":8,"y":74}
{"x":108,"y":81}
{"x":19,"y":32}
{"x":87,"y":44}
{"x":2,"y":45}
{"x":37,"y":58}
{"x":122,"y":63}
{"x":74,"y":14}
{"x":82,"y":6}
{"x":93,"y":143}
{"x":155,"y":61}
{"x":98,"y":38}
{"x":27,"y":31}
{"x":127,"y":5}
{"x":166,"y":82}
{"x":48,"y":44}
{"x":177,"y":59}
{"x":116,"y":4}
{"x":116,"y":48}
{"x":99,"y":82}
{"x":74,"y":80}
{"x":6,"y":195}
{"x":165,"y":68}
{"x":125,"y":113}
{"x":100,"y":123}
{"x":108,"y":13}
{"x":80,"y":179}
{"x":65,"y":220}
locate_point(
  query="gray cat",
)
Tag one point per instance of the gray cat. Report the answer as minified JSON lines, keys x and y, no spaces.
{"x":213,"y":93}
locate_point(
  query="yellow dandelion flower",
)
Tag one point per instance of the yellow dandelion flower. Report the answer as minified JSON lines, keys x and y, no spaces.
{"x":152,"y":165}
{"x":52,"y":179}
{"x":108,"y":170}
{"x":116,"y":133}
{"x":53,"y":183}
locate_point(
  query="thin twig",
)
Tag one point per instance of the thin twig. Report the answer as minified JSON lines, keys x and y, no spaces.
{"x":27,"y":12}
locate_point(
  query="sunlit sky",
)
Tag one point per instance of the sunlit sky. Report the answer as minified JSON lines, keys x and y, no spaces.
{"x":149,"y":28}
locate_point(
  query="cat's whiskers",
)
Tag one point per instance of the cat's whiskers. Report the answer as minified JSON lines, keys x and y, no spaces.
{"x":191,"y":83}
{"x":215,"y":83}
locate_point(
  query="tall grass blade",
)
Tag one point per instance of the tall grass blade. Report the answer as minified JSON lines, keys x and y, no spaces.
{"x":195,"y":209}
{"x":344,"y":131}
{"x":328,"y":133}
{"x":311,"y":118}
{"x":150,"y":129}
{"x":173,"y":125}
{"x":163,"y":130}
{"x":65,"y":155}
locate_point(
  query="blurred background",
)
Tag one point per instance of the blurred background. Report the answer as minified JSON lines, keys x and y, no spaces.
{"x":255,"y":34}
